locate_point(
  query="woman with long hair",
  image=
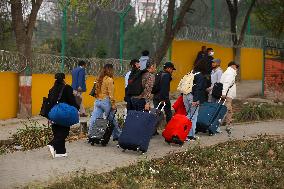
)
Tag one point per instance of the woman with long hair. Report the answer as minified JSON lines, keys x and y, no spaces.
{"x":105,"y":103}
{"x":197,"y":96}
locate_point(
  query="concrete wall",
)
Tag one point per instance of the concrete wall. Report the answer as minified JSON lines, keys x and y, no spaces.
{"x":9,"y":82}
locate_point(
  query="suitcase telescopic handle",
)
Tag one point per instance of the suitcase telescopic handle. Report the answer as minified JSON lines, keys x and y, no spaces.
{"x":164,"y":104}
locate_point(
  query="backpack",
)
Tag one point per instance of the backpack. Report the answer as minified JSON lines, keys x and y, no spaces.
{"x":135,"y":86}
{"x":186,"y":83}
{"x":217,"y":90}
{"x":157,"y":87}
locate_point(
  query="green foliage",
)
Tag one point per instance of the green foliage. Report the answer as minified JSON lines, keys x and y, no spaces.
{"x":139,"y":38}
{"x":236,"y":164}
{"x":101,"y":51}
{"x":270,"y":14}
{"x":258,"y":112}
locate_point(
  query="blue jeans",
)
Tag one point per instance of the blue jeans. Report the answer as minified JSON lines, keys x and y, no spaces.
{"x":187,"y":100}
{"x":104,"y":107}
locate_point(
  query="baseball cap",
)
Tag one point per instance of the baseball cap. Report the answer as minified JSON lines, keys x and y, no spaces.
{"x":169,"y":65}
{"x":233,"y":63}
{"x":217,"y":60}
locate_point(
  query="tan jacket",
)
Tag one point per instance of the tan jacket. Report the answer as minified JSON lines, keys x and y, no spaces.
{"x":107,"y":90}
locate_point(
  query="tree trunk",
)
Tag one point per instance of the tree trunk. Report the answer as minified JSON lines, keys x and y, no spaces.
{"x":24,"y":33}
{"x":171,"y":29}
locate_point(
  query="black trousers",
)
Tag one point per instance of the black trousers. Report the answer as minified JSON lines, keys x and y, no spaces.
{"x":138,"y":104}
{"x":60,"y":133}
{"x":167,"y":108}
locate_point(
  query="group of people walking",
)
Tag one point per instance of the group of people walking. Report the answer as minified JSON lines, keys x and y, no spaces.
{"x":144,"y":86}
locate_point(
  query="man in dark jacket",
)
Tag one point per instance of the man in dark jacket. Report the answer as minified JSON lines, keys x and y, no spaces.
{"x":79,"y":85}
{"x":163,"y":94}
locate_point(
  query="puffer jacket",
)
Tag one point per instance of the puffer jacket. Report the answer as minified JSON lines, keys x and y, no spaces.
{"x":228,"y":80}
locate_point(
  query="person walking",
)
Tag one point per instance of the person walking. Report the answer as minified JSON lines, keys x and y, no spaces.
{"x":162,"y":89}
{"x":79,"y":85}
{"x":142,"y":101}
{"x":201,"y":54}
{"x":143,"y":59}
{"x":229,"y":91}
{"x":197,"y":96}
{"x":135,"y":66}
{"x":216,"y":74}
{"x":105,"y":102}
{"x":60,"y":133}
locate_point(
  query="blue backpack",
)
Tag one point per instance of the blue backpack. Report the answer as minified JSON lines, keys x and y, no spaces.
{"x":63,"y":114}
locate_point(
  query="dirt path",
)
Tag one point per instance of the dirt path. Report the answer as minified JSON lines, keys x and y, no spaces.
{"x":21,"y":168}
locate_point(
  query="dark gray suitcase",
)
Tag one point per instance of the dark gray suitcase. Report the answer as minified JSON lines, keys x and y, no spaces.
{"x":102,"y":131}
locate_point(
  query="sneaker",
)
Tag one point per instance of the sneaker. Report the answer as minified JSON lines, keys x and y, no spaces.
{"x":52,"y":151}
{"x":60,"y":155}
{"x":191,"y":138}
{"x":218,"y":130}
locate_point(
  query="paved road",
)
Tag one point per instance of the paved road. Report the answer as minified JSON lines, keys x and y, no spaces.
{"x":20,"y":168}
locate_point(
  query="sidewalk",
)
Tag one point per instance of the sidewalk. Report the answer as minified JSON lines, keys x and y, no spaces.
{"x":20,"y":168}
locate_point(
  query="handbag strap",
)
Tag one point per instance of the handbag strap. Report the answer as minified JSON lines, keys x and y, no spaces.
{"x":60,"y":94}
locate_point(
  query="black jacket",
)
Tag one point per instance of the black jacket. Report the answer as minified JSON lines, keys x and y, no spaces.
{"x":199,"y":88}
{"x":209,"y":60}
{"x":200,"y":56}
{"x":66,"y":97}
{"x":164,"y":93}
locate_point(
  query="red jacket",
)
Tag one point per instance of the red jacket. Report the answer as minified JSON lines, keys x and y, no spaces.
{"x":179,"y":106}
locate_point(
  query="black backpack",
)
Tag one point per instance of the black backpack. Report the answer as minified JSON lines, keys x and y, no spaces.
{"x":157,"y":84}
{"x":217,"y":90}
{"x":135,"y":86}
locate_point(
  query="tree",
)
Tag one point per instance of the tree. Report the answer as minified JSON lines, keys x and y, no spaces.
{"x":171,"y":27}
{"x":233,"y":7}
{"x":23,"y":26}
{"x":271,"y":14}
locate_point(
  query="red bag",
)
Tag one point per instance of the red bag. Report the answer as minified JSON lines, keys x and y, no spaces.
{"x":179,"y":106}
{"x":177,"y":129}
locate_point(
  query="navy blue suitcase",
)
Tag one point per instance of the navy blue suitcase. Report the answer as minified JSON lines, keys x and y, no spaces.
{"x":210,"y":116}
{"x":138,"y":130}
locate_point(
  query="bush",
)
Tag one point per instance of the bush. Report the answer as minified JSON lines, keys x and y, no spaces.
{"x":258,"y":112}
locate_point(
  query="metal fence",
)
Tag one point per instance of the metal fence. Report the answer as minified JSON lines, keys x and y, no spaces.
{"x":220,"y":37}
{"x":46,"y":63}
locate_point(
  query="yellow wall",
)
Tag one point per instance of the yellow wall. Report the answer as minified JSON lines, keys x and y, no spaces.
{"x":41,"y":83}
{"x":184,"y":54}
{"x":251,"y":64}
{"x":8,"y":94}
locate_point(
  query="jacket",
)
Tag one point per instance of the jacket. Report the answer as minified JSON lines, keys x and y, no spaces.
{"x":228,"y":79}
{"x":143,"y":61}
{"x":209,"y":60}
{"x":107,"y":90}
{"x":148,"y":80}
{"x":78,"y":79}
{"x":200,"y":56}
{"x":199,"y":88}
{"x":66,"y":97}
{"x":165,"y":84}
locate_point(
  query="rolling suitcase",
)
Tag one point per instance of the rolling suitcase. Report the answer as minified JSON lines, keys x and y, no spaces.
{"x":210,"y":116}
{"x":137,"y":132}
{"x":102,"y":131}
{"x":177,"y":129}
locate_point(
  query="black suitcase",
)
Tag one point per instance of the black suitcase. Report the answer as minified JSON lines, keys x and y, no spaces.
{"x":102,"y":131}
{"x":137,"y":132}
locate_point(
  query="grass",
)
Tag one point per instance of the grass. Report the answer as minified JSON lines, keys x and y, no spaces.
{"x":258,"y":112}
{"x":236,"y":164}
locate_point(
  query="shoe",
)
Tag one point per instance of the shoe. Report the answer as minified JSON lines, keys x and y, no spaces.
{"x":83,"y":115}
{"x":218,"y":130}
{"x":60,"y":155}
{"x":229,"y":130}
{"x":115,"y":139}
{"x":52,"y":151}
{"x":191,"y":138}
{"x":156,"y":133}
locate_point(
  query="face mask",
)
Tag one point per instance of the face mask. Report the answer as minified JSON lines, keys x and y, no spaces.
{"x":211,"y":53}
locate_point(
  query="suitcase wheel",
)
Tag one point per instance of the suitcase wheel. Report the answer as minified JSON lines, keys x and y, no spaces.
{"x":117,"y":146}
{"x":92,"y":143}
